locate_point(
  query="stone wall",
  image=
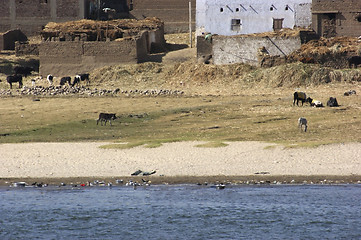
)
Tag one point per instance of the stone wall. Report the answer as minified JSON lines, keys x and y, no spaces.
{"x":70,"y":58}
{"x":336,"y":18}
{"x":174,"y":13}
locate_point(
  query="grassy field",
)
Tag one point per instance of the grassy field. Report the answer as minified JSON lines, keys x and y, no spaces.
{"x":252,"y":116}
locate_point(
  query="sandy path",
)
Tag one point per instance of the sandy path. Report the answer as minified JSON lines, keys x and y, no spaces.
{"x":57,"y":160}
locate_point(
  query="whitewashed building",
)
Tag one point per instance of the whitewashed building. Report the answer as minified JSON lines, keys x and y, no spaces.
{"x":234,"y":17}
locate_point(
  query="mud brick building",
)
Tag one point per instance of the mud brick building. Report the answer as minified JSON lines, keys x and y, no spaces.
{"x":332,"y":18}
{"x":30,"y":16}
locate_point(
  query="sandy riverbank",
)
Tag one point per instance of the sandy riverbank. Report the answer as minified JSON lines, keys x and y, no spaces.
{"x":179,"y":162}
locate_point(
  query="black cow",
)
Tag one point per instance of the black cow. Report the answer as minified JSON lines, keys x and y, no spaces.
{"x":81,"y":77}
{"x":299,"y":96}
{"x":15,"y":78}
{"x":354,"y":61}
{"x":106,"y":117}
{"x":332,"y":102}
{"x":64,"y":80}
{"x":24,"y":71}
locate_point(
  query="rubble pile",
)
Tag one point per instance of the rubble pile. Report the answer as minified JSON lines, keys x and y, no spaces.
{"x":85,"y":91}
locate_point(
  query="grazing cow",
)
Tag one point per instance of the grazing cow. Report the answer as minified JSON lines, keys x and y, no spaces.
{"x":106,"y":117}
{"x":299,"y":96}
{"x":24,"y":71}
{"x":50,"y":79}
{"x":64,"y":80}
{"x":81,"y":77}
{"x":332,"y":102}
{"x":302,"y":122}
{"x":314,"y":103}
{"x":354,"y":61}
{"x":15,"y":78}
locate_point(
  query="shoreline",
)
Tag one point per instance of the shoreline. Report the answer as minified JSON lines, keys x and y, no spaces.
{"x":192,"y":180}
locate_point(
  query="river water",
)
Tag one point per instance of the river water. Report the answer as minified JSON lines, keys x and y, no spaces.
{"x":182,"y":212}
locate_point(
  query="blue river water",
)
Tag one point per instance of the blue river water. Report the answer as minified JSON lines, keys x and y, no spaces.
{"x":182,"y":212}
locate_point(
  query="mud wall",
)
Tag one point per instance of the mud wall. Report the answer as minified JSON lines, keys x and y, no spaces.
{"x":336,"y":18}
{"x":70,"y":58}
{"x":229,"y":50}
{"x":174,"y":13}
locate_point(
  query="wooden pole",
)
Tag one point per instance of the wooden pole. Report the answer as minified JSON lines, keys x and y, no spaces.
{"x":190,"y":24}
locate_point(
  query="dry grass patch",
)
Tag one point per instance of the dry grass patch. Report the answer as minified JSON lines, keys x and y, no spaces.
{"x":255,"y":115}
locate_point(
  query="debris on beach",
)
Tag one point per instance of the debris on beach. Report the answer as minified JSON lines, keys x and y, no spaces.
{"x":136,"y":173}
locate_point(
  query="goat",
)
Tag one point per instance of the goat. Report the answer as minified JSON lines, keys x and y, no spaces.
{"x":299,"y":96}
{"x":15,"y":78}
{"x":302,"y":122}
{"x":50,"y":79}
{"x":314,"y":103}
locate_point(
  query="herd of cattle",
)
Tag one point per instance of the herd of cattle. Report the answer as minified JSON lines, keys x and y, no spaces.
{"x":301,"y":96}
{"x":20,"y":72}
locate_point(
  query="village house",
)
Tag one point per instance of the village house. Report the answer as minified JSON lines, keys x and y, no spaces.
{"x":250,"y":31}
{"x":232,"y":17}
{"x":75,"y":47}
{"x":336,"y":18}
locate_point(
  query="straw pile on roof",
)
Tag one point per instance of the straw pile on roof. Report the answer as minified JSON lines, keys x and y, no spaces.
{"x":99,"y":30}
{"x":283,"y":33}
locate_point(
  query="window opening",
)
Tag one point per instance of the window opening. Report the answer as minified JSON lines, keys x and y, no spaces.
{"x":277,"y":24}
{"x":221,"y":9}
{"x":237,"y":9}
{"x":236,"y":25}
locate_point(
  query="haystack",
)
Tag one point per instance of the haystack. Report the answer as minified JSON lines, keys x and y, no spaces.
{"x":91,"y":30}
